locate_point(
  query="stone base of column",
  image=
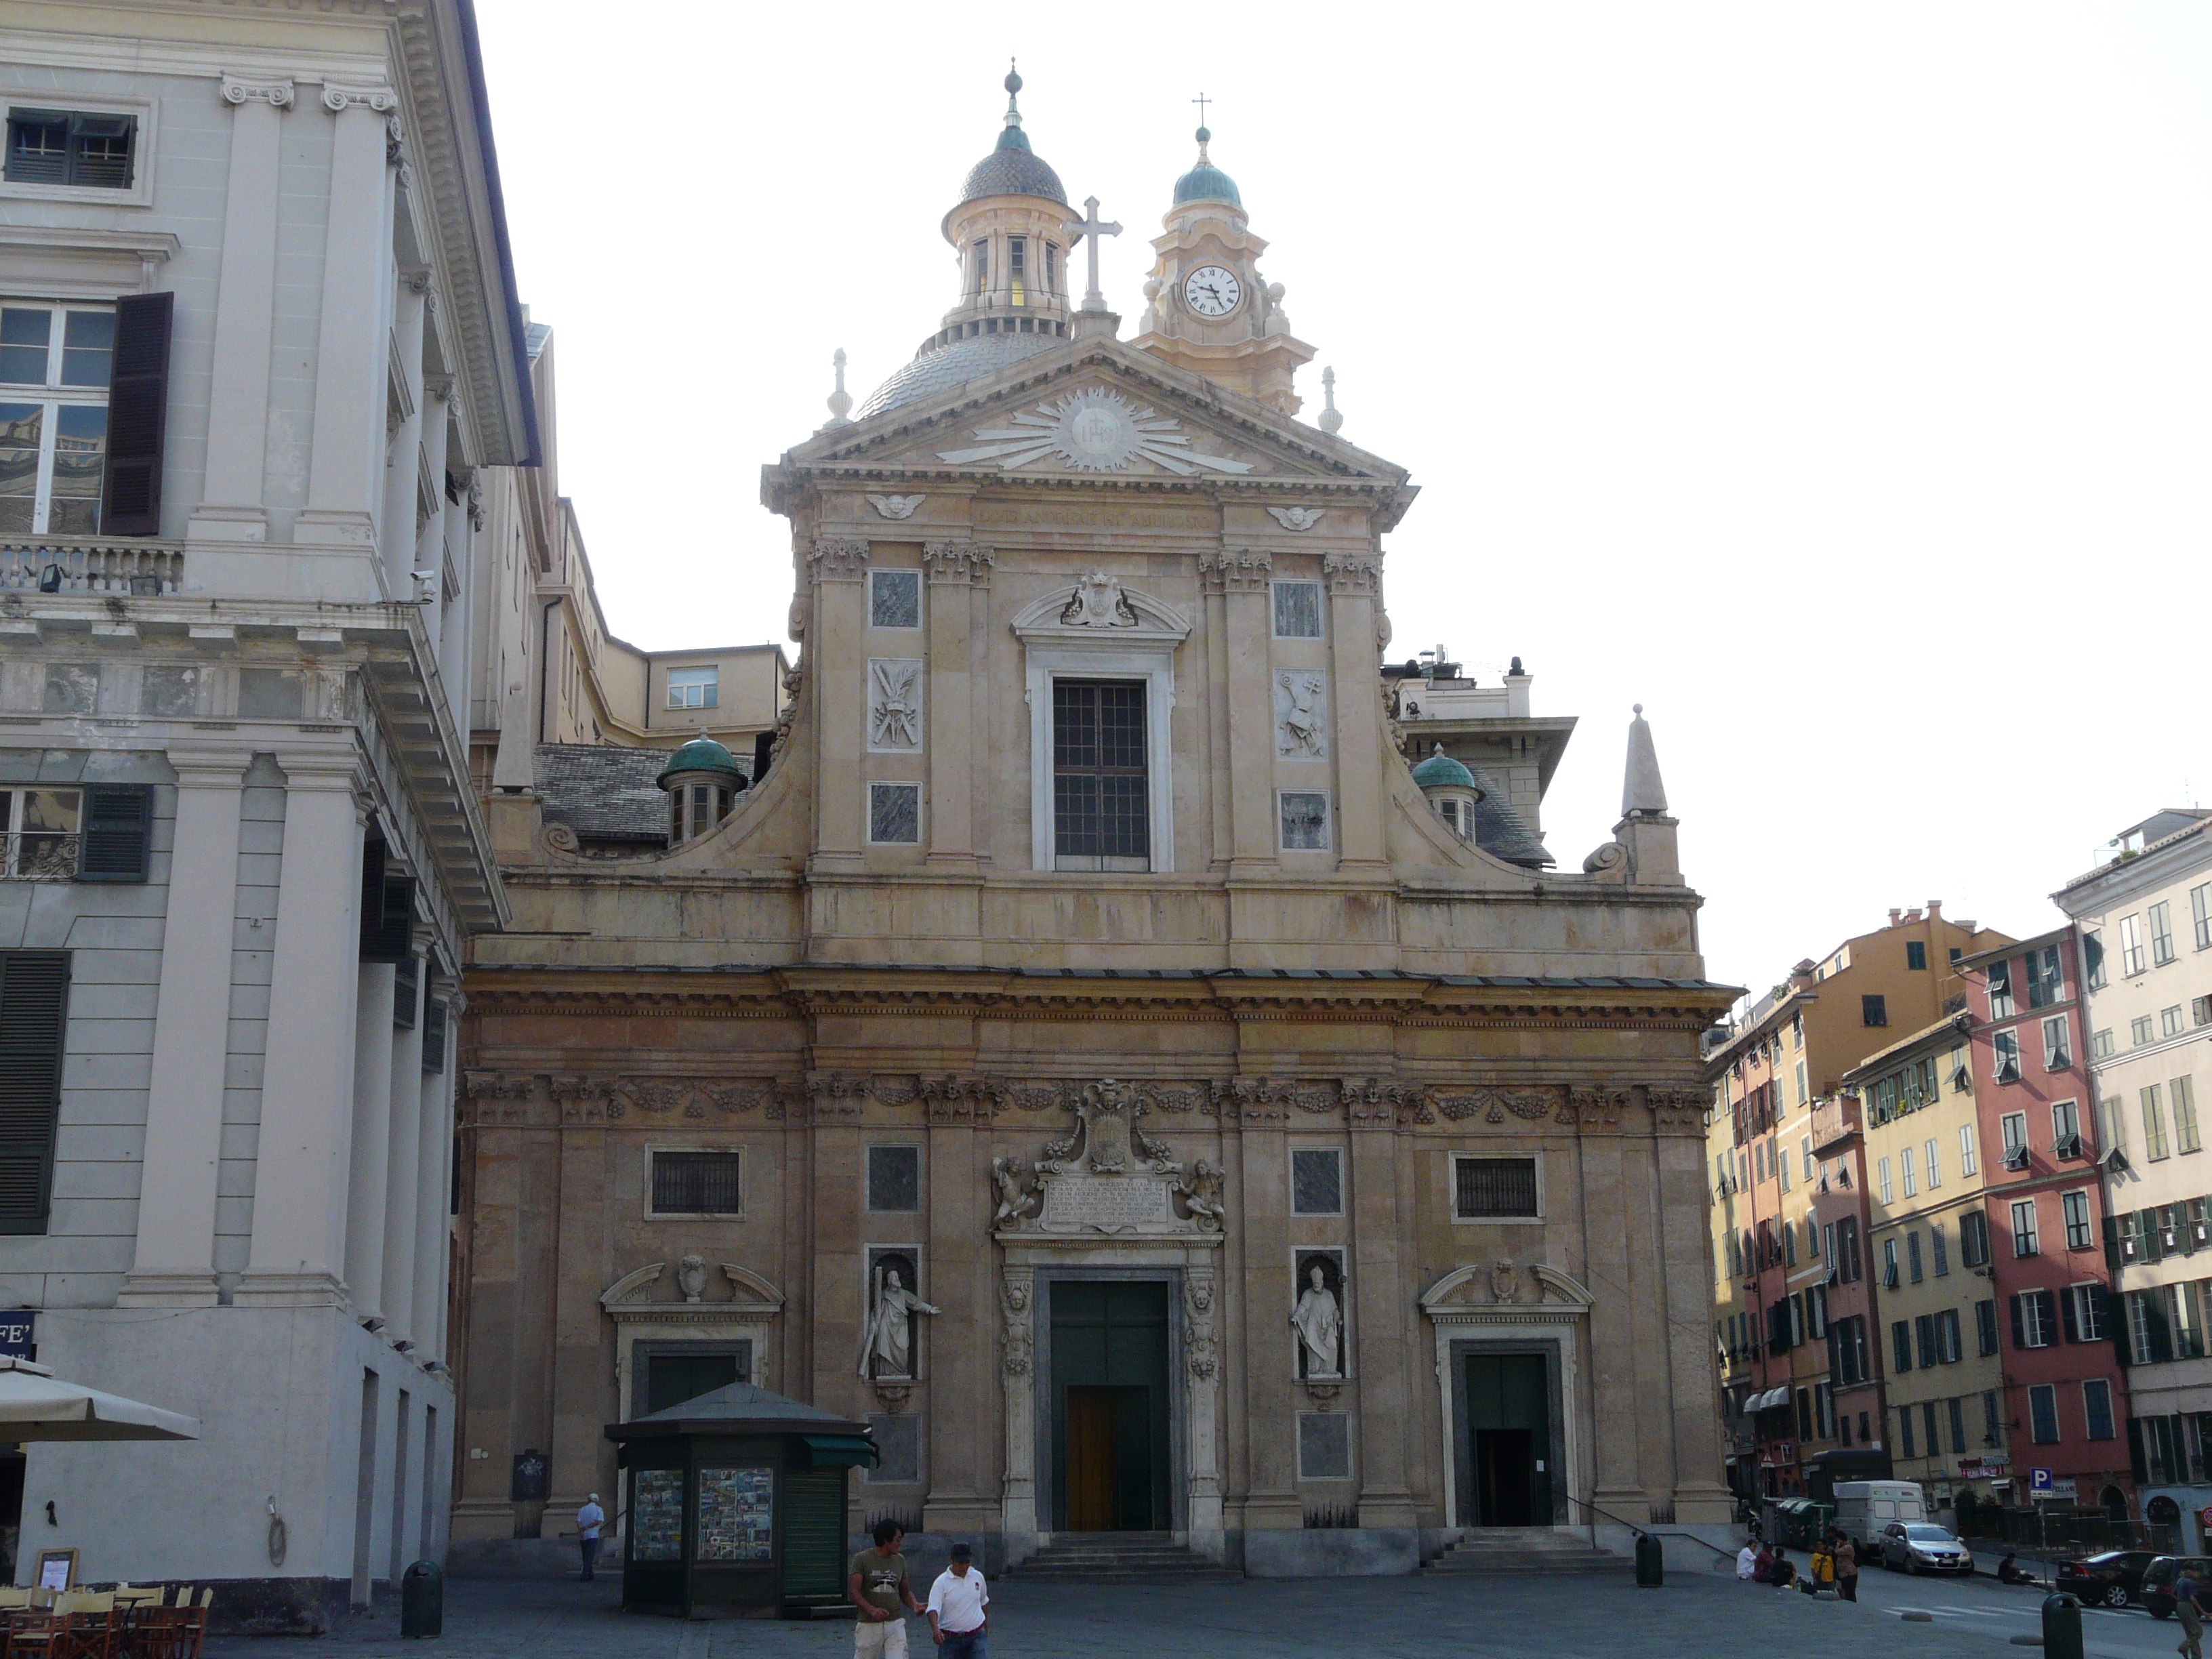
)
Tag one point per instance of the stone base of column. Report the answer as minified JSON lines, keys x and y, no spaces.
{"x":167,"y":1290}
{"x":312,"y":1290}
{"x":959,"y":1513}
{"x":1267,"y":1509}
{"x":326,"y":527}
{"x":1392,"y":1507}
{"x":227,"y":524}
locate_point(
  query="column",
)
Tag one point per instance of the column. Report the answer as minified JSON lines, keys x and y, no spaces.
{"x":405,"y":1142}
{"x":1202,"y":1340}
{"x":1354,"y":579}
{"x":1017,"y":1374}
{"x":1251,"y":715}
{"x":959,"y":1340}
{"x":1686,"y":1243}
{"x":368,"y":1180}
{"x":430,"y":549}
{"x":835,"y":668}
{"x":298,"y":1249}
{"x":403,"y":449}
{"x":175,"y":1260}
{"x":433,"y":1250}
{"x":1212,"y":578}
{"x":1380,"y":1298}
{"x":1271,"y":1497}
{"x":950,"y":745}
{"x":345,"y":464}
{"x":246,"y":304}
{"x":457,"y":620}
{"x":1615,"y":1484}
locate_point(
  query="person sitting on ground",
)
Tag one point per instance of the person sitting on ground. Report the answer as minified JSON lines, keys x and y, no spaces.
{"x":2010,"y":1572}
{"x":1783,"y":1573}
{"x":1763,"y":1564}
{"x":1746,"y":1561}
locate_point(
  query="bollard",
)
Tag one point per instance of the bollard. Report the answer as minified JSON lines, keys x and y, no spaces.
{"x":422,"y":1600}
{"x":1650,"y":1562}
{"x":2062,"y":1627}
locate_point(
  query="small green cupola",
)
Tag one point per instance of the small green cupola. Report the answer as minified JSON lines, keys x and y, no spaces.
{"x":702,"y":779}
{"x":1449,"y":788}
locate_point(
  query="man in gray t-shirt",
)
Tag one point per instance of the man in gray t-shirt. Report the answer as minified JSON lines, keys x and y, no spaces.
{"x":876,"y":1584}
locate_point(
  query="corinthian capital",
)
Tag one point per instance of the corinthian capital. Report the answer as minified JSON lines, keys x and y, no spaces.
{"x":957,"y":561}
{"x":838,"y":561}
{"x":1352,"y":573}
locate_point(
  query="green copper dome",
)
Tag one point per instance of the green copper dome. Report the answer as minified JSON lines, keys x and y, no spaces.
{"x":1011,"y":169}
{"x":700,"y":755}
{"x":1441,"y":771}
{"x":1207,"y":182}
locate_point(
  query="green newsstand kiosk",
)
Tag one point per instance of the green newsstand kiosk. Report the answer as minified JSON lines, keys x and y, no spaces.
{"x":734,"y":1505}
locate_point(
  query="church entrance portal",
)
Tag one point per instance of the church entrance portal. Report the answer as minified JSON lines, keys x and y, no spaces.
{"x":1508,"y":1418}
{"x":1110,"y":1404}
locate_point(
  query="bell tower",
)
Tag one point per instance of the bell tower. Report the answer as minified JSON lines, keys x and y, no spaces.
{"x":1207,"y":306}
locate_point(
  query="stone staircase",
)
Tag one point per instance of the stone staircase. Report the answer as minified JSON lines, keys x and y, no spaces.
{"x":1527,"y":1550}
{"x":1121,"y":1557}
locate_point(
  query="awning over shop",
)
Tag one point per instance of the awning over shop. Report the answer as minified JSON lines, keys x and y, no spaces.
{"x":1766,"y":1401}
{"x":841,"y":1451}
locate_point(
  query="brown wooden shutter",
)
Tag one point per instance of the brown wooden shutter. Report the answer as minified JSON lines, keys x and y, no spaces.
{"x":138,"y":416}
{"x":33,"y":1004}
{"x":118,"y":829}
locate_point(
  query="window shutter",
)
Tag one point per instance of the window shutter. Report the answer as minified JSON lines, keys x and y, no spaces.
{"x":387,"y":908}
{"x":34,"y":1004}
{"x":2112,"y":1243}
{"x":138,"y":416}
{"x":2068,"y":1318}
{"x":2154,"y":1242}
{"x":2158,"y":1328}
{"x":2114,"y":1312}
{"x":2137,"y":1466}
{"x":2019,"y":1325}
{"x":119,"y":832}
{"x":434,"y":1037}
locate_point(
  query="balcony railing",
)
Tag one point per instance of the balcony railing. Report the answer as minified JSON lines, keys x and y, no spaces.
{"x":90,"y":564}
{"x":38,"y":855}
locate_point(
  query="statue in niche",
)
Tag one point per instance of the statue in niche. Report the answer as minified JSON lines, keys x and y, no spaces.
{"x":887,"y":1350}
{"x":1318,"y":1323}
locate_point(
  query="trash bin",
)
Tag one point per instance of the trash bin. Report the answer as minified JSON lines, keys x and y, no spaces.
{"x":1650,"y":1562}
{"x":422,"y":1600}
{"x":2062,"y":1627}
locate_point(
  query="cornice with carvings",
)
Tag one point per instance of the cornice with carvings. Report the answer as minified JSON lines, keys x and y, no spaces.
{"x":1353,"y":573}
{"x":953,"y":563}
{"x":493,"y":1097}
{"x":838,"y":559}
{"x":1234,"y":570}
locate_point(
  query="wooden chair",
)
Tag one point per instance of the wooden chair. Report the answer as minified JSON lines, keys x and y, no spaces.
{"x":86,"y":1630}
{"x":30,"y":1634}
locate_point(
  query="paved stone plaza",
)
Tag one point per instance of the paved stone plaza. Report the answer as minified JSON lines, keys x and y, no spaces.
{"x":1569,"y":1617}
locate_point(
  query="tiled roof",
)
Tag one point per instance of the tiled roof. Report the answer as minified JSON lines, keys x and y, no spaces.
{"x":604,"y":792}
{"x":954,"y":365}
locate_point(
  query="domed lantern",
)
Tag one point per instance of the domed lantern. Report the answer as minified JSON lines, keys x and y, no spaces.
{"x":702,"y":779}
{"x":1450,"y":788}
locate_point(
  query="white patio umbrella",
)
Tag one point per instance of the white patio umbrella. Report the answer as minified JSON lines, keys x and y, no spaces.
{"x":36,"y":1405}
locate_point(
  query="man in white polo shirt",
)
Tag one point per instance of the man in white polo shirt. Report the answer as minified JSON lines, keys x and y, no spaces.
{"x":956,"y":1602}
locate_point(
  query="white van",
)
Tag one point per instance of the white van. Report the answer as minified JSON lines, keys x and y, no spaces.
{"x":1863,"y":1508}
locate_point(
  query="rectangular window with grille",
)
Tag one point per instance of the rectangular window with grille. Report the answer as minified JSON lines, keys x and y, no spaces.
{"x":1298,"y":610}
{"x":895,"y":1180}
{"x":1317,"y":1182}
{"x":1304,"y":820}
{"x":33,"y":1019}
{"x":697,"y":1183}
{"x":1487,"y":1188}
{"x":1100,"y":809}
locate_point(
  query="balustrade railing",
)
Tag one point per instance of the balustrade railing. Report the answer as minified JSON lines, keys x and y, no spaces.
{"x":38,"y":855}
{"x":90,"y":564}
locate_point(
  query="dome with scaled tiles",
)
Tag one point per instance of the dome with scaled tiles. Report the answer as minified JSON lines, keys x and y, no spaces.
{"x":1207,"y":182}
{"x":1012,"y":168}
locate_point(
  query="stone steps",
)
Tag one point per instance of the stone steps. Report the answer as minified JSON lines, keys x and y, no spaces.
{"x":1518,"y":1551}
{"x":1122,"y":1557}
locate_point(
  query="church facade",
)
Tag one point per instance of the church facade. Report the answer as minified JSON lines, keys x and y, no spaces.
{"x":1090,"y":1049}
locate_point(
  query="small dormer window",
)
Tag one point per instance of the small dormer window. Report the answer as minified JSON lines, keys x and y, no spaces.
{"x":695,"y":808}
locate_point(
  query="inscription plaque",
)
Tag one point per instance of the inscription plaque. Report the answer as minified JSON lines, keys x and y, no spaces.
{"x":1079,"y":1203}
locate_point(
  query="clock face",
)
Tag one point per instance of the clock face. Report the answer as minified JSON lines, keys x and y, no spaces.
{"x":1212,"y":291}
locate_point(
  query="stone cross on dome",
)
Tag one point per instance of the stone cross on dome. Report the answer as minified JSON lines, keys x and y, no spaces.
{"x":1091,"y":226}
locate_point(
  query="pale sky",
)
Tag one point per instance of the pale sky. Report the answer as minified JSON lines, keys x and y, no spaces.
{"x":1834,"y":380}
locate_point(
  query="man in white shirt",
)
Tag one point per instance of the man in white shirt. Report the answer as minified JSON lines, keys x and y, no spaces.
{"x":589,"y":1520}
{"x":1746,"y":1562}
{"x":956,"y":1602}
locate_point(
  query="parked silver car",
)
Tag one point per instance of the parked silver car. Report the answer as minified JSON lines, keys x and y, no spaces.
{"x":1919,"y":1546}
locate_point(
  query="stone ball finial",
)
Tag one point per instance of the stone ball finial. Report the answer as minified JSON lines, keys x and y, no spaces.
{"x":1637,"y":707}
{"x":1014,"y":77}
{"x":1331,"y":420}
{"x":1204,"y":136}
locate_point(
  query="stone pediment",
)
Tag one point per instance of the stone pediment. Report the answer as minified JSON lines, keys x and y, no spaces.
{"x":1100,"y":410}
{"x":1504,"y":1286}
{"x":1097,"y":607}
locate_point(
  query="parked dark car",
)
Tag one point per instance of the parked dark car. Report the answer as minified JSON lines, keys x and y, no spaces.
{"x":2157,"y":1593}
{"x":1922,"y":1547}
{"x":2113,"y":1579}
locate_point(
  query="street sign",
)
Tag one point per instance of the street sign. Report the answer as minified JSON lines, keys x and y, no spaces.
{"x":2038,"y":1482}
{"x":19,"y":1334}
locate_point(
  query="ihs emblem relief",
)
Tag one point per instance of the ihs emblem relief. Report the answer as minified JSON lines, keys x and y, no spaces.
{"x":1092,"y":430}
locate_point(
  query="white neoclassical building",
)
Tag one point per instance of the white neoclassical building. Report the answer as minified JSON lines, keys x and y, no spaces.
{"x":260,"y":359}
